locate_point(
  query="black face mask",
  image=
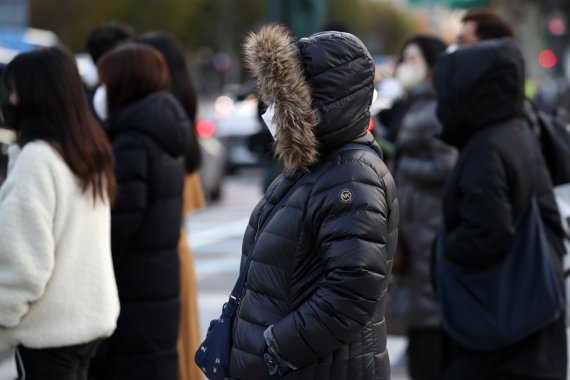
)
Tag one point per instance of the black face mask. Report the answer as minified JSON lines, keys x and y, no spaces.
{"x":10,"y":114}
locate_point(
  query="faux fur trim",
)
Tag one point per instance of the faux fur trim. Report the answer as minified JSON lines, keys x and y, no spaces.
{"x":273,"y":58}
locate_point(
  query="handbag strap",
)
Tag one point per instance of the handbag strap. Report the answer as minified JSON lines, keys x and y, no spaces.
{"x":532,"y":142}
{"x":238,"y":287}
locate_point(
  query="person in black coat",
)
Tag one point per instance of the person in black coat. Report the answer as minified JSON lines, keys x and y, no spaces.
{"x":147,"y":128}
{"x":480,"y":104}
{"x":422,"y":166}
{"x":314,"y":298}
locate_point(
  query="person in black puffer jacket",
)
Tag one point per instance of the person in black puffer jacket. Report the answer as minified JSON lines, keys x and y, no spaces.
{"x":313,"y":303}
{"x":423,"y":164}
{"x":147,"y":128}
{"x":480,"y":104}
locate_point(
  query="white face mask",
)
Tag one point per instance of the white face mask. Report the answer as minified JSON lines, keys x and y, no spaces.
{"x":100,"y":102}
{"x":452,"y":48}
{"x":268,"y":120}
{"x":410,"y":76}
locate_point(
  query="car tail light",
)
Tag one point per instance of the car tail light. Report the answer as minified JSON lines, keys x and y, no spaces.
{"x":370,"y":125}
{"x":205,"y":128}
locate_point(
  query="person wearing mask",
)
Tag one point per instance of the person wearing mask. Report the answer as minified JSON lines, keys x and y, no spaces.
{"x":480,"y":104}
{"x":148,"y":129}
{"x":421,"y":168}
{"x":182,"y":88}
{"x":100,"y":40}
{"x":261,"y":143}
{"x":58,"y":295}
{"x":313,"y":303}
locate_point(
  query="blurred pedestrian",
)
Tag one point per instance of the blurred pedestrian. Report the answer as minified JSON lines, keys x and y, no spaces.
{"x":549,"y":125}
{"x":481,"y":24}
{"x":182,"y":88}
{"x":147,"y":127}
{"x":313,"y":303}
{"x":58,"y":295}
{"x":422,"y":166}
{"x":107,"y":36}
{"x":101,"y":40}
{"x":497,"y":177}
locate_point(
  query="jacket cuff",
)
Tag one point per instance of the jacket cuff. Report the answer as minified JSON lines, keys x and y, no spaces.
{"x":274,"y":350}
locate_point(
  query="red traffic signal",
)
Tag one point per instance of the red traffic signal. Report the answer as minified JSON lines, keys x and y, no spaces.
{"x":557,"y":26}
{"x":547,"y":59}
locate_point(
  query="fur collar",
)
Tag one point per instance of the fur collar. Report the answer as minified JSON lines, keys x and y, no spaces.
{"x":272,"y":56}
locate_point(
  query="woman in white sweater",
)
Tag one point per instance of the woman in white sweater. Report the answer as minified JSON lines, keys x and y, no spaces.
{"x":58,"y":295}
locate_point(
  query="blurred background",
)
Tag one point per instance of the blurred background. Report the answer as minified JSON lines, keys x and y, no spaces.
{"x":235,"y":173}
{"x":213,"y":31}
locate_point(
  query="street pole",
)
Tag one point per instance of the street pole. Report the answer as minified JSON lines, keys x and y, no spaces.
{"x":434,"y":24}
{"x":303,"y":17}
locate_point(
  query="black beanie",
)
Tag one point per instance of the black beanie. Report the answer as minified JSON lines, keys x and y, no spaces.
{"x":430,"y":47}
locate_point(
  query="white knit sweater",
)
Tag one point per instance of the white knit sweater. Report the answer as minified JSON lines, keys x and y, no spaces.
{"x":57,"y":284}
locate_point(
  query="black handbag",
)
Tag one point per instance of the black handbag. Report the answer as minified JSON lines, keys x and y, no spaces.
{"x":490,"y":308}
{"x":213,"y":355}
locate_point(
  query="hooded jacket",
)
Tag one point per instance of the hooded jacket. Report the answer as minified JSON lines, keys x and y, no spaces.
{"x":148,"y":138}
{"x":480,"y":100}
{"x":315,"y":290}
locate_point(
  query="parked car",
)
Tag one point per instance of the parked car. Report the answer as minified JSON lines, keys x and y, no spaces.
{"x":234,"y":116}
{"x":213,"y":160}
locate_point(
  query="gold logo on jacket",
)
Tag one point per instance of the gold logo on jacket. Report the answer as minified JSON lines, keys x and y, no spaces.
{"x":345,"y":196}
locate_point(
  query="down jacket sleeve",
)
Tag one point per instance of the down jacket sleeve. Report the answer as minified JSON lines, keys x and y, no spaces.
{"x":129,"y":208}
{"x":349,"y":213}
{"x":27,"y":207}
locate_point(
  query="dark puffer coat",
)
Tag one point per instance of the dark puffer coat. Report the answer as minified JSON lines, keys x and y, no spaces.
{"x":423,"y":166}
{"x":321,"y":266}
{"x":480,"y":100}
{"x":148,"y":141}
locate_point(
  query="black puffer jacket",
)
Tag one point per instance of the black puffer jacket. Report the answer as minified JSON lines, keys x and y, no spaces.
{"x":321,"y":265}
{"x":148,"y":141}
{"x":423,"y":164}
{"x":480,"y":97}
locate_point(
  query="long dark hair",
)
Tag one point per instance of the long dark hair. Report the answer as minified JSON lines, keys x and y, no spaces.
{"x":132,"y":71}
{"x":181,"y":87}
{"x":53,"y":107}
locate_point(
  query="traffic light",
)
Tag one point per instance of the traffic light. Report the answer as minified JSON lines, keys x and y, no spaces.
{"x":547,"y":59}
{"x":554,"y":32}
{"x":557,"y":26}
{"x":304,"y":17}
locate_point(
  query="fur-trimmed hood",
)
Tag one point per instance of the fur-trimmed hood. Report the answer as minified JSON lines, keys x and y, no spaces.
{"x":321,"y":86}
